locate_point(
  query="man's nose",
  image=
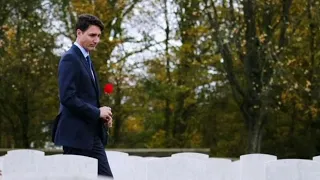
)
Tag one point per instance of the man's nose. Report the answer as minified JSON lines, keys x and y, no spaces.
{"x":96,"y":40}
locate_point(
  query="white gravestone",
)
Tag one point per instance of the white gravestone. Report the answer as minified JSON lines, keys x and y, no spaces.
{"x":156,"y":168}
{"x":253,"y":166}
{"x":292,"y":169}
{"x":217,"y":168}
{"x":191,"y":155}
{"x":23,"y":163}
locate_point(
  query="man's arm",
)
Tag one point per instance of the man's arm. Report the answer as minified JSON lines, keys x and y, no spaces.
{"x":68,"y":68}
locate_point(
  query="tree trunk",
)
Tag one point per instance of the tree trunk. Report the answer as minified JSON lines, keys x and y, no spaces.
{"x":255,"y":131}
{"x":254,"y":139}
{"x":24,"y":121}
{"x":117,"y":118}
{"x":167,"y":110}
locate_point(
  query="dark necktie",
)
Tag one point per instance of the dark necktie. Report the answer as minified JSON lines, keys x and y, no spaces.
{"x":90,"y":66}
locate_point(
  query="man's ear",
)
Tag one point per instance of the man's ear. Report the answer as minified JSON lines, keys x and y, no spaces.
{"x":79,"y":32}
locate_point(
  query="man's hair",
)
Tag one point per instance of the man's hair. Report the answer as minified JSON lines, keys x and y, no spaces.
{"x":86,"y":20}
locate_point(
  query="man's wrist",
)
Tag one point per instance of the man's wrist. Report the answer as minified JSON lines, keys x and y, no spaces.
{"x":99,"y":113}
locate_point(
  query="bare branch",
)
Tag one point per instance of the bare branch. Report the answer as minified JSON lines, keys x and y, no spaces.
{"x":286,"y":4}
{"x":226,"y":55}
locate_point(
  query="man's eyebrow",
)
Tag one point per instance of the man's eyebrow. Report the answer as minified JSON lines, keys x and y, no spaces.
{"x":94,"y":33}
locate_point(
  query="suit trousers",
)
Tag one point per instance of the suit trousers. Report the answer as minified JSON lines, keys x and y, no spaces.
{"x":97,"y":152}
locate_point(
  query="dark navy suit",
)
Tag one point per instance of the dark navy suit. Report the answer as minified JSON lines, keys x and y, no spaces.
{"x":78,"y":127}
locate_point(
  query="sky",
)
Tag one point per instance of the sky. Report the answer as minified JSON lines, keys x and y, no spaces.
{"x":147,"y":18}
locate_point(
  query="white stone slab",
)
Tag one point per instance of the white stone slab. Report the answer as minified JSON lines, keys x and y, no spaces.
{"x":316,"y":158}
{"x":191,"y":155}
{"x":156,"y":168}
{"x":1,"y":165}
{"x":253,"y":166}
{"x":217,"y":168}
{"x":26,"y":152}
{"x":116,"y":154}
{"x":181,"y":168}
{"x":139,"y":167}
{"x":119,"y":165}
{"x":22,"y":162}
{"x":234,"y":171}
{"x":1,"y":162}
{"x":292,"y":169}
{"x":69,"y":166}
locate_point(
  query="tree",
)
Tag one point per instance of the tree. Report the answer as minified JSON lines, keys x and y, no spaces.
{"x":27,"y":65}
{"x":177,"y":75}
{"x":300,"y":86}
{"x":254,"y":35}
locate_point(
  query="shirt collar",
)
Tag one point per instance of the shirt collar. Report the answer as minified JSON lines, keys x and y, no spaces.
{"x":84,"y":52}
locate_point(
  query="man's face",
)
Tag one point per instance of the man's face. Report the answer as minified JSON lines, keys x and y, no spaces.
{"x":90,"y":38}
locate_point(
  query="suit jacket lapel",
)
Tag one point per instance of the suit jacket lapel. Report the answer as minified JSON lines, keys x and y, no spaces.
{"x":84,"y":63}
{"x":96,"y":83}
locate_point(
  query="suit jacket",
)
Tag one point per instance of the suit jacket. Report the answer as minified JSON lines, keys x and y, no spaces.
{"x":79,"y":115}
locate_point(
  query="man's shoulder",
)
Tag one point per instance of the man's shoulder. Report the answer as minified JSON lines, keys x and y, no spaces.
{"x":71,"y":53}
{"x":71,"y":50}
{"x":69,"y":57}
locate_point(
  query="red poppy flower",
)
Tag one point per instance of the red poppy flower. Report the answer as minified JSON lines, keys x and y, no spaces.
{"x":108,"y":88}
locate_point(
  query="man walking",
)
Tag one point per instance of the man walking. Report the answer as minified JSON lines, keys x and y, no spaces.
{"x":81,"y":124}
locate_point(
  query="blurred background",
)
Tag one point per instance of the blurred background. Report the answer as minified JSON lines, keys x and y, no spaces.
{"x":234,"y":76}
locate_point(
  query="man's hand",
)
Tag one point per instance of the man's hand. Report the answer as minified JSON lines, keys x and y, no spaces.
{"x":108,"y":123}
{"x":105,"y":113}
